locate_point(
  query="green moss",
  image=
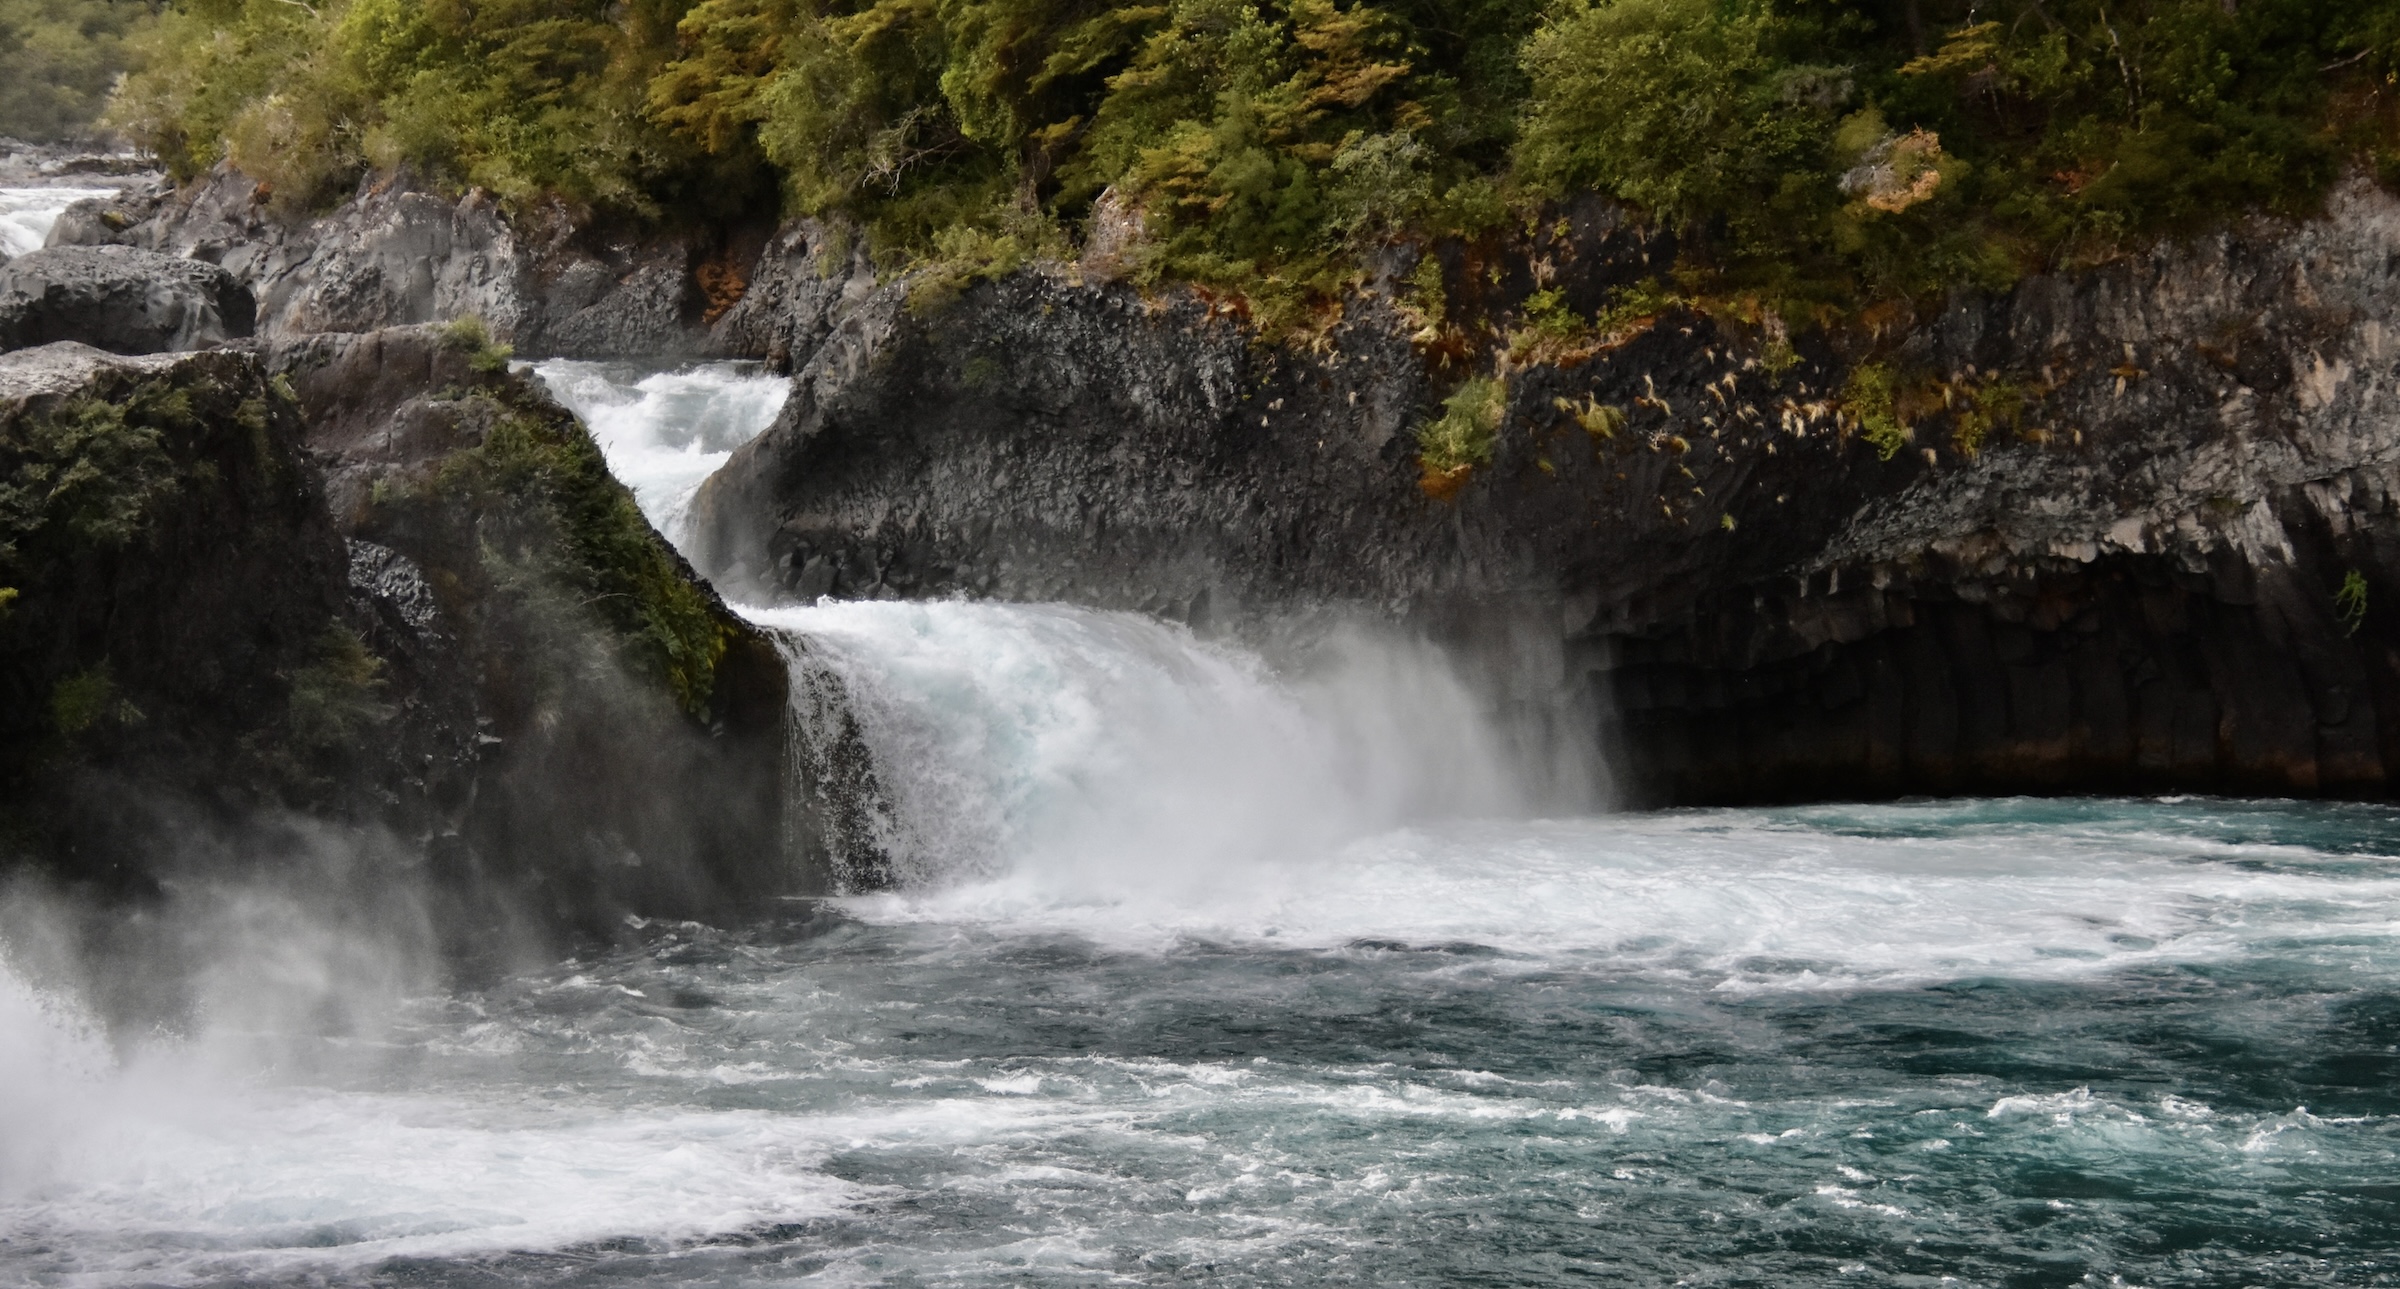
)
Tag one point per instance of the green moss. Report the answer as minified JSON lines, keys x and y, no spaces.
{"x":89,"y":474}
{"x":335,"y":697}
{"x":1993,"y":404}
{"x":88,"y":700}
{"x":605,"y":554}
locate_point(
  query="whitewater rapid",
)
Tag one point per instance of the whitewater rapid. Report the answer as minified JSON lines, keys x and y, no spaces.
{"x":1744,"y":1045}
{"x":665,"y":429}
{"x":1200,"y":965}
{"x":28,"y":214}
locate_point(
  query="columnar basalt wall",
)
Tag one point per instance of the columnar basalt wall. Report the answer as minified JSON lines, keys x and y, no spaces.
{"x":2164,"y":564}
{"x":2126,"y":529}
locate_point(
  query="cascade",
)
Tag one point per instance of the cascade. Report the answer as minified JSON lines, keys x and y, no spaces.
{"x":946,"y":741}
{"x":27,"y":214}
{"x":1084,"y":749}
{"x":665,"y":429}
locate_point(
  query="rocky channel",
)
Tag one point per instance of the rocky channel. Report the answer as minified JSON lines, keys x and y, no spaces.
{"x":2166,"y":562}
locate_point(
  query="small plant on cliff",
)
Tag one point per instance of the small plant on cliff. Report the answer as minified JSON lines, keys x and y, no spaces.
{"x":1598,"y":419}
{"x":1995,"y":404}
{"x":88,"y":473}
{"x":88,"y":700}
{"x":334,"y":698}
{"x":1869,"y":396}
{"x":2350,"y":602}
{"x":1450,"y":446}
{"x":470,"y":336}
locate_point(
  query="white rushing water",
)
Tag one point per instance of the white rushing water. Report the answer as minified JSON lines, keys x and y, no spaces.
{"x":27,"y":214}
{"x":1589,"y":1034}
{"x":1206,"y":968}
{"x":664,"y":431}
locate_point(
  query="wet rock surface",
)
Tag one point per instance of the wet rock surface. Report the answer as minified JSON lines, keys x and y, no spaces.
{"x":120,"y":299}
{"x":203,"y":662}
{"x":2165,"y":565}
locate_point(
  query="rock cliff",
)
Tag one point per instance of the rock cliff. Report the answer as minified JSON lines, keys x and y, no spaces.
{"x":470,"y":649}
{"x":2123,"y":530}
{"x":2128,"y":530}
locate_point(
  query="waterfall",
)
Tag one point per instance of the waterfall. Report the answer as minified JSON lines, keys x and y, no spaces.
{"x":950,"y":741}
{"x":665,"y":430}
{"x":942,"y":743}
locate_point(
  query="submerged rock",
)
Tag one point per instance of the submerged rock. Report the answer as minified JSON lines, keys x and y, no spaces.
{"x":120,"y":299}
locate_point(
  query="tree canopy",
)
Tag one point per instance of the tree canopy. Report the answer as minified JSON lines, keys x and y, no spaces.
{"x":1817,"y":154}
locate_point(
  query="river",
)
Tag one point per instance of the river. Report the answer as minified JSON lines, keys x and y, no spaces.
{"x":1205,"y":967}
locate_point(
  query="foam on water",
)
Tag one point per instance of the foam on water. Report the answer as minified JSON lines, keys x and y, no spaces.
{"x":1204,"y":968}
{"x":1116,"y":777}
{"x":27,"y":214}
{"x":665,"y":431}
{"x":1885,"y":1033}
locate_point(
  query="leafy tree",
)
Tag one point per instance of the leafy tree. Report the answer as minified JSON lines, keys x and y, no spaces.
{"x":58,"y":61}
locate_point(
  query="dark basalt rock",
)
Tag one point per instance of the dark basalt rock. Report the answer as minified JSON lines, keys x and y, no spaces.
{"x":551,"y":766}
{"x":202,"y":663}
{"x":120,"y":299}
{"x":2169,"y":569}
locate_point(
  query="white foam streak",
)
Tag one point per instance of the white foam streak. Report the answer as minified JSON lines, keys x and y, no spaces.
{"x":665,"y":432}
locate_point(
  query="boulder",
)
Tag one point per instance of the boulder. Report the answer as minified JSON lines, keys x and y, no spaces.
{"x":120,"y":299}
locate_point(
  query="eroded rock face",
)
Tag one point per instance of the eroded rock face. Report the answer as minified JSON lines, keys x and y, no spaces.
{"x":120,"y":299}
{"x":555,"y":760}
{"x":2166,"y":563}
{"x":398,"y":255}
{"x":202,"y":662}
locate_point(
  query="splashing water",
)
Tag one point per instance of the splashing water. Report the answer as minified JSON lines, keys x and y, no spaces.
{"x":1199,"y":969}
{"x":665,"y":431}
{"x":2005,"y":1042}
{"x":1107,"y":756}
{"x":27,"y":214}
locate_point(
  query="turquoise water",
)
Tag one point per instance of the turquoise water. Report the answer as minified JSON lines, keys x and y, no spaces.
{"x":1986,"y":1043}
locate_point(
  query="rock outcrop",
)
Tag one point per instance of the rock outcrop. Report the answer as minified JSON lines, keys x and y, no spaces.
{"x":2129,"y":530}
{"x":120,"y":299}
{"x":483,"y":656}
{"x":397,"y":255}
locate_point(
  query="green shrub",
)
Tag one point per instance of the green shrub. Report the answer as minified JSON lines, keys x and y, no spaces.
{"x":1870,"y":396}
{"x":1452,"y":445}
{"x":469,"y":335}
{"x":60,"y":58}
{"x":1813,"y":158}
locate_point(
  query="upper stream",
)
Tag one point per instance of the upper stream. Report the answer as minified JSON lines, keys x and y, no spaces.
{"x":1203,"y":967}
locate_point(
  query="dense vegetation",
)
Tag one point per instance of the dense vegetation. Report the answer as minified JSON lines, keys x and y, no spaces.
{"x":60,"y":58}
{"x":1813,"y":155}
